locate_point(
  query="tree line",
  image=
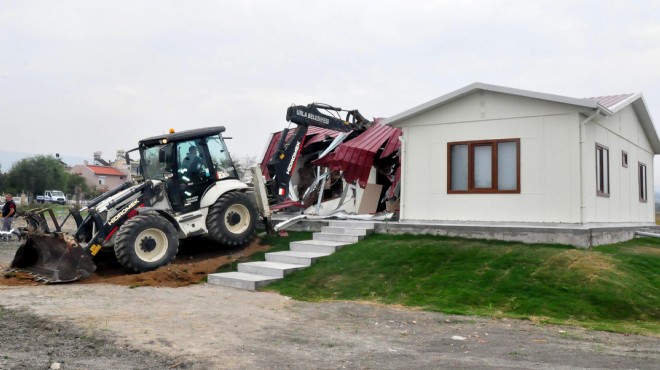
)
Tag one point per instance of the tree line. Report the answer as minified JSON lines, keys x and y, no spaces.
{"x":34,"y":175}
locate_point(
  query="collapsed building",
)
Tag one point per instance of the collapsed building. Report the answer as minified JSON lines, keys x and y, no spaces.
{"x":331,"y":171}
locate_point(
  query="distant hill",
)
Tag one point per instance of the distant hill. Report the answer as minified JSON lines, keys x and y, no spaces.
{"x":7,"y":159}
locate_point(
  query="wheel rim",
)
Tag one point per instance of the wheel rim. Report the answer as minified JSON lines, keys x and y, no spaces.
{"x":151,"y":245}
{"x":237,"y":218}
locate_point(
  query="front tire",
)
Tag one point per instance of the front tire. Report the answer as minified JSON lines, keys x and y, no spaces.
{"x":232,"y":220}
{"x":146,"y":242}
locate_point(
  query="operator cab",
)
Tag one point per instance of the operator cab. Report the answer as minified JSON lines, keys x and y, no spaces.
{"x":189,"y":162}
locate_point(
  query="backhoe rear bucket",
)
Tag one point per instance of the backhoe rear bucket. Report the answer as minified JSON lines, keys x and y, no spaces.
{"x":53,"y":258}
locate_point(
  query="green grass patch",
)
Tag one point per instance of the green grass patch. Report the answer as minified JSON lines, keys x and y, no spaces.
{"x":613,"y":288}
{"x":60,"y":210}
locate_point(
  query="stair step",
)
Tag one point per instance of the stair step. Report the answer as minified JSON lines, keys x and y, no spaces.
{"x":240,"y":280}
{"x":269,"y":268}
{"x":346,"y":230}
{"x":295,"y":257}
{"x":252,"y":275}
{"x":352,"y":224}
{"x":319,"y":246}
{"x":338,"y":237}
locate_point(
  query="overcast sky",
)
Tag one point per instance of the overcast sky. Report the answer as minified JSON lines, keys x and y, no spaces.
{"x":79,"y":76}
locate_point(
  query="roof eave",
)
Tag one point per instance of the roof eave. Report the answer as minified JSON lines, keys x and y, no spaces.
{"x":639,"y":106}
{"x":455,"y":95}
{"x":622,"y":104}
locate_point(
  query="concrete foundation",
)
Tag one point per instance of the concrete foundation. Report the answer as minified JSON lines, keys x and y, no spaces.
{"x":579,"y":236}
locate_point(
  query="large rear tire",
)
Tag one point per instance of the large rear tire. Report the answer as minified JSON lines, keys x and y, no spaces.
{"x":232,"y":219}
{"x":146,"y":242}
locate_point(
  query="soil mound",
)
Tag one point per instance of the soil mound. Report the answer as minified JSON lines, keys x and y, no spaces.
{"x":196,"y":259}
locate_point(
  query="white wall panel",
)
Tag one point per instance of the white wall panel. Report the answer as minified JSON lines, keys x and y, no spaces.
{"x":558,"y":173}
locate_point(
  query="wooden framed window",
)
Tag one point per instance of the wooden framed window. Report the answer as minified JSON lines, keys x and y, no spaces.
{"x":624,"y":159}
{"x":487,"y":166}
{"x":643,"y":194}
{"x":602,"y":171}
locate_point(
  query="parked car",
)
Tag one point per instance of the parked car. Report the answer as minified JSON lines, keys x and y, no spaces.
{"x":52,"y":196}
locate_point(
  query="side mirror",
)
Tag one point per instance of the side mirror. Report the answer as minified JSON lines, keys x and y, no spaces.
{"x":128,"y":159}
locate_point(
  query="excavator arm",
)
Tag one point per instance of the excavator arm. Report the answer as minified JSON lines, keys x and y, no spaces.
{"x":283,"y":161}
{"x":310,"y":115}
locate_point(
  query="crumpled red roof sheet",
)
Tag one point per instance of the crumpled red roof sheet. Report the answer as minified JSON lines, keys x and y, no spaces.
{"x":314,"y":135}
{"x":356,"y":157}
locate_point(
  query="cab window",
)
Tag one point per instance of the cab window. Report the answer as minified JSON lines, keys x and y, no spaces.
{"x":157,"y":161}
{"x":192,"y":164}
{"x":222,"y":163}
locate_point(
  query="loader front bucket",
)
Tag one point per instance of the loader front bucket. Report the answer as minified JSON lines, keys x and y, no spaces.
{"x":53,"y":258}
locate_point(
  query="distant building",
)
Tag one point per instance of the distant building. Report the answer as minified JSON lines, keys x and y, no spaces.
{"x":101,"y":178}
{"x":100,"y":161}
{"x":120,"y":164}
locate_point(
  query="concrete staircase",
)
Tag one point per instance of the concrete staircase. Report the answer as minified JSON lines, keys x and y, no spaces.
{"x":252,"y":275}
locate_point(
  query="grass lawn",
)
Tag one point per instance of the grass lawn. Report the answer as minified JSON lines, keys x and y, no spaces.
{"x":613,"y":288}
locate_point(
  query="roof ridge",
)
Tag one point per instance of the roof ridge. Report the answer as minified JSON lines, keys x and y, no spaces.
{"x":612,"y":102}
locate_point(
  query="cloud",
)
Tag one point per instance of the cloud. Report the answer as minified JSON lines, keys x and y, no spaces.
{"x":79,"y":76}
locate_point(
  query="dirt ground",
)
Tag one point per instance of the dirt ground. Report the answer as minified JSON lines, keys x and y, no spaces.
{"x":159,"y":320}
{"x":197,"y":258}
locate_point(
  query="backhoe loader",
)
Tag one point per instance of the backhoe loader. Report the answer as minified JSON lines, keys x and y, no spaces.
{"x":187,"y":186}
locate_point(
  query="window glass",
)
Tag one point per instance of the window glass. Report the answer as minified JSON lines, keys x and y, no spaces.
{"x":157,"y":161}
{"x":599,"y":166}
{"x":624,"y":159}
{"x":642,"y":183}
{"x":602,"y":170}
{"x":459,"y":167}
{"x":224,"y":167}
{"x":507,"y":166}
{"x":192,"y":164}
{"x":483,"y":167}
{"x":606,"y":174}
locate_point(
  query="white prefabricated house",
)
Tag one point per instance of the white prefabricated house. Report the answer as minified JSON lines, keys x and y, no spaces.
{"x":494,"y":154}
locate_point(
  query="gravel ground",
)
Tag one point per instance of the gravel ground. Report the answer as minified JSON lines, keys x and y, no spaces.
{"x":30,"y":342}
{"x":101,"y":326}
{"x":205,"y":326}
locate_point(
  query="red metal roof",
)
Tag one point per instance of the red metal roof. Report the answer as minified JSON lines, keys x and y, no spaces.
{"x":356,"y":157}
{"x":105,"y":171}
{"x":322,"y":134}
{"x":610,"y":100}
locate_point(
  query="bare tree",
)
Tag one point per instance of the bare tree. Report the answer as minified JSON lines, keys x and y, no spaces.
{"x":243,"y":164}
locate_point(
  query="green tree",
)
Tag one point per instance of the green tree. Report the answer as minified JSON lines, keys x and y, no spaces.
{"x":76,"y":181}
{"x":3,"y":180}
{"x":36,"y":174}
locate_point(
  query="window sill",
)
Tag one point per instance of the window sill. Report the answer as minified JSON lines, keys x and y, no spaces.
{"x":483,"y":192}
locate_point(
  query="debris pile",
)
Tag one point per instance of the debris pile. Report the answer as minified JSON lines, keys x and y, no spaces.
{"x":354,"y":172}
